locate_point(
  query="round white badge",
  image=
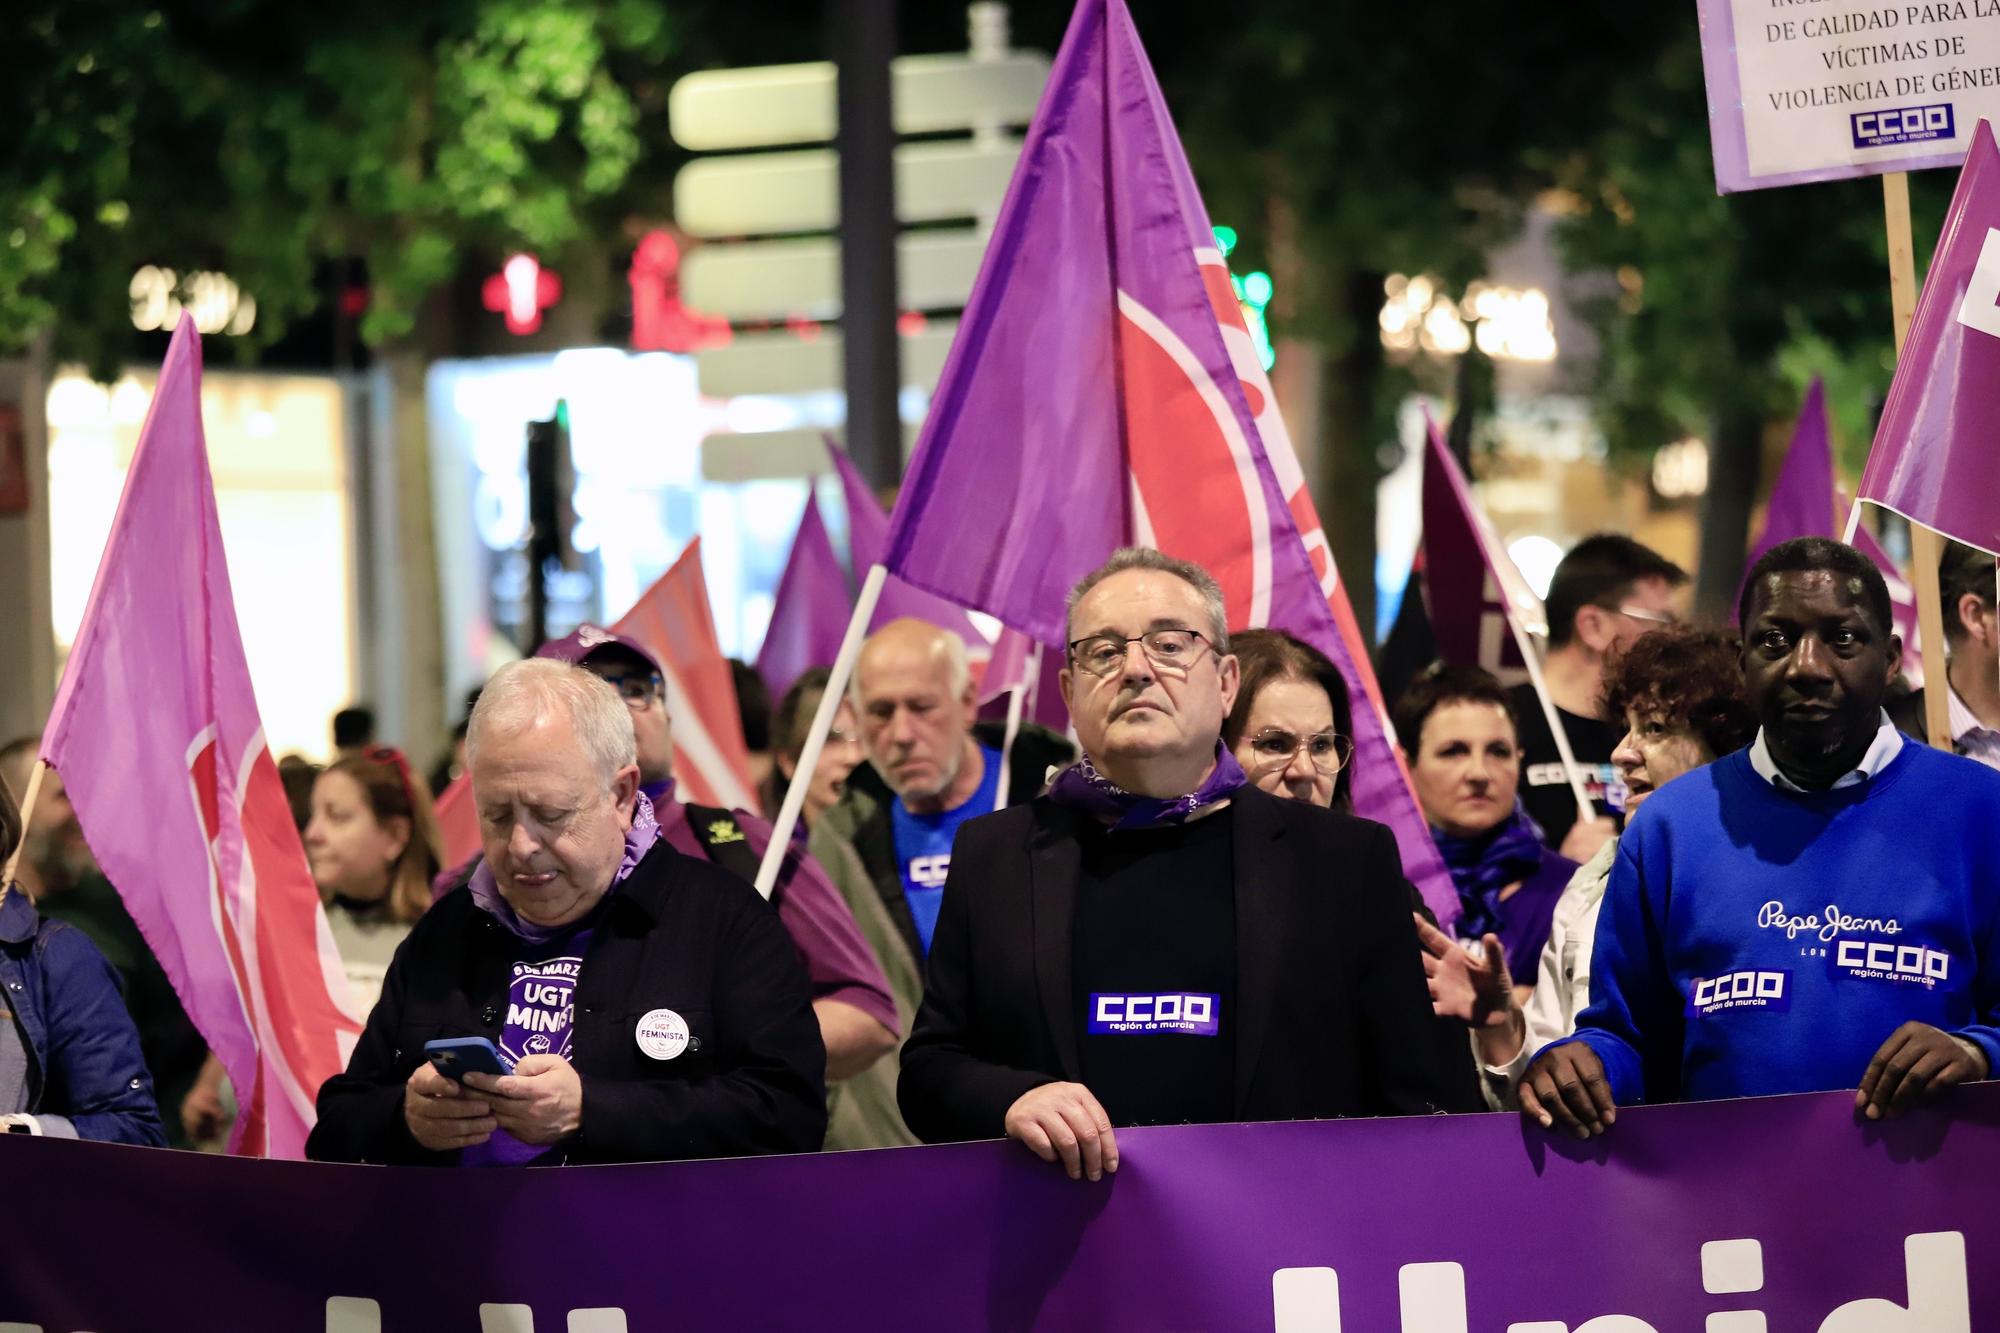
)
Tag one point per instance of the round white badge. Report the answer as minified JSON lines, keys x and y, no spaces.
{"x":662,"y":1034}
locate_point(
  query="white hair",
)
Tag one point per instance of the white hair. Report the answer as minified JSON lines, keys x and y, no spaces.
{"x":522,"y":693}
{"x":957,"y":666}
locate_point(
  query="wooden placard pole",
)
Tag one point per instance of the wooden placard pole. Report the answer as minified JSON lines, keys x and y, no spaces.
{"x":1926,"y":546}
{"x":27,"y":819}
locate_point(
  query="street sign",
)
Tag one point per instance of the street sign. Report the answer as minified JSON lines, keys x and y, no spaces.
{"x":794,"y":104}
{"x":784,"y":279}
{"x":782,"y":362}
{"x":775,"y":454}
{"x":767,"y":226}
{"x":761,"y":194}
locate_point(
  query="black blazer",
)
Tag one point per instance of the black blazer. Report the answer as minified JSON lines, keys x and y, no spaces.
{"x":1335,"y":1016}
{"x":678,"y":934}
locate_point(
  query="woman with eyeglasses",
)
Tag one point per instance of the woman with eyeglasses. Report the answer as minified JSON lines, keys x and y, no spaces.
{"x":373,"y":845}
{"x":1290,"y":726}
{"x":1457,"y":732}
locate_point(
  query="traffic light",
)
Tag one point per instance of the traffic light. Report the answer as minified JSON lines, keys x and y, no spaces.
{"x":551,"y":516}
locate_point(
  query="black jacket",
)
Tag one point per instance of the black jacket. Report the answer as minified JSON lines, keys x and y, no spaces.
{"x":678,"y":934}
{"x":861,"y":817}
{"x":1334,"y":1015}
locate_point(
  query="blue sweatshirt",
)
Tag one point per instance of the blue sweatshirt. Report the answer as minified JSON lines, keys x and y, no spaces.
{"x":1757,"y":941}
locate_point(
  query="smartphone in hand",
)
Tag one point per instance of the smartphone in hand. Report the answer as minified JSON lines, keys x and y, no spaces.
{"x":454,"y":1057}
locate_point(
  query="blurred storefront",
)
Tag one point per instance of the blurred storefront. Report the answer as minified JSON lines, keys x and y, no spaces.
{"x":280,"y":451}
{"x":1539,"y":462}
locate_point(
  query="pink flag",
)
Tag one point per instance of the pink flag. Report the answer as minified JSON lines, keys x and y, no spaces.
{"x":672,"y":619}
{"x":1902,"y":600}
{"x":156,"y":734}
{"x":1015,"y":658}
{"x":1103,"y":391}
{"x":810,"y":610}
{"x":1805,"y":502}
{"x":1470,"y":580}
{"x":458,"y":821}
{"x":1934,"y":460}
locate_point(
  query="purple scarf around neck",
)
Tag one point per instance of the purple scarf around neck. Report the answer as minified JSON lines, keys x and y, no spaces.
{"x":1484,"y":865}
{"x":639,"y":840}
{"x":1082,"y":788}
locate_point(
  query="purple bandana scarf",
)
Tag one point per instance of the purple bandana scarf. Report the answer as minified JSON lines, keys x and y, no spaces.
{"x":639,"y":840}
{"x":1482,"y":866}
{"x":1081,"y":787}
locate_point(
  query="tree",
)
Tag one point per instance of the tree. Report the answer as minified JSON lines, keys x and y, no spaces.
{"x":1349,"y":142}
{"x":265,"y":139}
{"x":1724,"y":306}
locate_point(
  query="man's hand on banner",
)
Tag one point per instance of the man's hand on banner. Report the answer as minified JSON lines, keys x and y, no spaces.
{"x":1586,"y":837}
{"x":541,"y":1102}
{"x":1917,"y":1062}
{"x":1566,"y":1084}
{"x":1064,"y":1122}
{"x":441,"y":1114}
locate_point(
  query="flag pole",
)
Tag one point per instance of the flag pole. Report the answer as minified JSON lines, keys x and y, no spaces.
{"x":1031,"y":671}
{"x":1926,"y":545}
{"x":27,"y":818}
{"x":1584,"y":809}
{"x":829,"y":707}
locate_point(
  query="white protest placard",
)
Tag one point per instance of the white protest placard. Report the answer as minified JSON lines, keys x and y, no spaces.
{"x":1809,"y":90}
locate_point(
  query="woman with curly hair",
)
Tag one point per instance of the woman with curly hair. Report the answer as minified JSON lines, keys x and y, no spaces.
{"x":1681,"y":694}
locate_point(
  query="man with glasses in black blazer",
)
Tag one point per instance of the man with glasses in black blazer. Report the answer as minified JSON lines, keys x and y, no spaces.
{"x":1154,"y":941}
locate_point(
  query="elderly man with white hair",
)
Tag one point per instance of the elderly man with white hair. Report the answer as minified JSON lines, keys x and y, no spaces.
{"x":650,"y":1005}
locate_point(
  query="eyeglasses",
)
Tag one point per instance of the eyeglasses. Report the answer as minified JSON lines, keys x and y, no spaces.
{"x":1169,"y":649}
{"x":1274,"y":748}
{"x":638,"y":689}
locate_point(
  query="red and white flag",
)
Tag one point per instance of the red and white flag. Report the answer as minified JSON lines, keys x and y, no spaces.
{"x":673,"y":621}
{"x":1103,"y":391}
{"x":156,"y":735}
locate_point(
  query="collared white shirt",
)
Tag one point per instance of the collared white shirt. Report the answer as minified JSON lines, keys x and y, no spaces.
{"x":1969,"y":736}
{"x":1888,"y":743}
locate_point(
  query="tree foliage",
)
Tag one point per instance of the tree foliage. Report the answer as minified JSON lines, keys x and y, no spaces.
{"x":1723,"y":303}
{"x":264,"y":139}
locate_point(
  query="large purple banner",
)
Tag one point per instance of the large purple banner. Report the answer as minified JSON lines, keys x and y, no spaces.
{"x":1783,"y":1214}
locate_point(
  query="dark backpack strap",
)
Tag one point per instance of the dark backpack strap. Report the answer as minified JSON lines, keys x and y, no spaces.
{"x":722,"y":840}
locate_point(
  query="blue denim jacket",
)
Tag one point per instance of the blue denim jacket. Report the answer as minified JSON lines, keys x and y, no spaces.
{"x":82,"y":1047}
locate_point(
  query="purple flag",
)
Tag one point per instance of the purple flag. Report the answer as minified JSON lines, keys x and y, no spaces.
{"x":1469,"y":579}
{"x":868,"y":539}
{"x":156,"y":715}
{"x":1802,"y":499}
{"x":1934,"y":460}
{"x":1806,"y":502}
{"x":811,"y":609}
{"x":1103,"y":391}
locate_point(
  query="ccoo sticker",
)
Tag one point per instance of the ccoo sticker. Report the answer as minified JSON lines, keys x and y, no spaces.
{"x":662,"y":1034}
